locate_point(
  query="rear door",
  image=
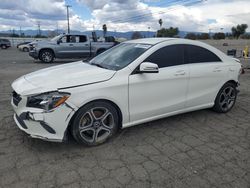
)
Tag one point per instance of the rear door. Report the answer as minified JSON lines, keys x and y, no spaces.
{"x":207,"y":75}
{"x":153,"y":94}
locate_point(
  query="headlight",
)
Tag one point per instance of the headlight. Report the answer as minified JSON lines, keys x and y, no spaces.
{"x":47,"y":101}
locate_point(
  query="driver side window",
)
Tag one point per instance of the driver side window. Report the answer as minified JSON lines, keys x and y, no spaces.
{"x":64,"y":39}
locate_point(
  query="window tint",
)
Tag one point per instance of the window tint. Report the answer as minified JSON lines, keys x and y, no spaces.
{"x":196,"y":54}
{"x":83,"y":38}
{"x":167,"y":56}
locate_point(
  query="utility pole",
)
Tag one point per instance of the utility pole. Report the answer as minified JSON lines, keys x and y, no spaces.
{"x":56,"y":28}
{"x":38,"y":26}
{"x":148,"y":32}
{"x":67,"y":6}
{"x":20,"y":31}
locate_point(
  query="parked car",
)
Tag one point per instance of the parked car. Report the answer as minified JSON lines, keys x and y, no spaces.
{"x":68,"y":46}
{"x":22,"y":43}
{"x":5,"y":43}
{"x":24,"y":47}
{"x":135,"y":82}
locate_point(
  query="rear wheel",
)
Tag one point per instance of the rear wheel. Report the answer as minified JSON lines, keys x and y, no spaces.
{"x":46,"y":56}
{"x":226,"y":98}
{"x":95,"y":123}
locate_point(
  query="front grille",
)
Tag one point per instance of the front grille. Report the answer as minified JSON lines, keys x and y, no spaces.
{"x":16,"y":98}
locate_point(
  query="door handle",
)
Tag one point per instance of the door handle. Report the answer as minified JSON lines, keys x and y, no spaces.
{"x":86,"y":45}
{"x":180,"y":73}
{"x":71,"y":45}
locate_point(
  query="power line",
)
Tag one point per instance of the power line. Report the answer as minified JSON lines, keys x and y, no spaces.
{"x":185,"y":3}
{"x":174,"y":2}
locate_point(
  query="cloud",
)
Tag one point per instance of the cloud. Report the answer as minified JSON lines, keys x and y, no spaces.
{"x":137,"y":15}
{"x":127,"y":15}
{"x":26,"y":13}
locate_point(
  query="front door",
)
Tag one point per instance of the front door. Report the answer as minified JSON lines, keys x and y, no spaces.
{"x":154,"y":94}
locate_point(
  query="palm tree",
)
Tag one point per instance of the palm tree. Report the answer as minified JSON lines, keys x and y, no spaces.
{"x":160,"y":22}
{"x":104,"y":28}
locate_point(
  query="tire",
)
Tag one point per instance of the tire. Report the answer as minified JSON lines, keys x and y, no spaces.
{"x":95,"y":123}
{"x":46,"y":56}
{"x":25,"y":49}
{"x":226,"y":98}
{"x":4,"y":46}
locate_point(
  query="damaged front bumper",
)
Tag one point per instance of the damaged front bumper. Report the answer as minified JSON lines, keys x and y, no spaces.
{"x":38,"y":123}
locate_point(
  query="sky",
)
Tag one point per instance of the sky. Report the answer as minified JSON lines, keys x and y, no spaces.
{"x":125,"y":15}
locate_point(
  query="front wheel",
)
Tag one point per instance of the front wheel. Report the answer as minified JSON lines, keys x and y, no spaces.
{"x":226,"y":98}
{"x":4,"y":46}
{"x":46,"y":56}
{"x":95,"y":123}
{"x":25,"y":49}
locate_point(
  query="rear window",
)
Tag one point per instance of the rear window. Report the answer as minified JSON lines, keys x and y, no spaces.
{"x":197,"y":54}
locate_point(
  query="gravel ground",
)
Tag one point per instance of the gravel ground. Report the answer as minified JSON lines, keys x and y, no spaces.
{"x":197,"y":149}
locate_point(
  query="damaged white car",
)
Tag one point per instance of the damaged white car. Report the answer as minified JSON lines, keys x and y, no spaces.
{"x":132,"y":83}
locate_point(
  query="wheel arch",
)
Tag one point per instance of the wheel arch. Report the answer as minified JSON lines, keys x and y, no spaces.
{"x":39,"y":53}
{"x":229,"y":81}
{"x":233,"y":82}
{"x":120,"y":117}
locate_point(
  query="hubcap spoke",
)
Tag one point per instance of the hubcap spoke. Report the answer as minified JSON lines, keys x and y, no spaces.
{"x":227,"y":98}
{"x":96,"y":124}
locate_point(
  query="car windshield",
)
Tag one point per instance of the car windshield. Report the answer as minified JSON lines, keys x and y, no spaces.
{"x":120,"y":56}
{"x":55,"y":38}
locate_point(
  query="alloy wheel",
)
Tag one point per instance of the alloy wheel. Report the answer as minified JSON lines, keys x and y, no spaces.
{"x":96,"y":124}
{"x":47,"y":57}
{"x":227,"y":98}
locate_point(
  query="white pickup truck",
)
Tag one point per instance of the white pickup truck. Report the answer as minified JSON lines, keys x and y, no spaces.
{"x":68,"y":46}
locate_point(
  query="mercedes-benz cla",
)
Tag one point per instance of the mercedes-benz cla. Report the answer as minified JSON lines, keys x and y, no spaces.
{"x":132,"y":83}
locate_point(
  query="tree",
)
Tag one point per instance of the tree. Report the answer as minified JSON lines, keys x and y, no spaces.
{"x":168,"y":32}
{"x":203,"y":36}
{"x":191,"y":36}
{"x":218,"y":36}
{"x":160,"y":22}
{"x":104,"y":28}
{"x":239,"y":30}
{"x":136,"y":35}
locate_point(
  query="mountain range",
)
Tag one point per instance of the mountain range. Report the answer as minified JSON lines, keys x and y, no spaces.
{"x":117,"y":34}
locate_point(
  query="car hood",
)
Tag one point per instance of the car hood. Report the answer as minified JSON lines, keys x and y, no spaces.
{"x":60,"y":77}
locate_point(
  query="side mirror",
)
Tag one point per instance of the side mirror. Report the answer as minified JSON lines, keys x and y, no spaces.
{"x":59,"y":41}
{"x":147,"y":67}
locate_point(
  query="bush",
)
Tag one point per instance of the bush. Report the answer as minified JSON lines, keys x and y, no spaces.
{"x":218,"y":36}
{"x":191,"y":36}
{"x":203,"y":36}
{"x":168,"y":32}
{"x":136,"y":35}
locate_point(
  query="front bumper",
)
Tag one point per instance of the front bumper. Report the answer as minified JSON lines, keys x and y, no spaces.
{"x":33,"y":53}
{"x":50,"y":126}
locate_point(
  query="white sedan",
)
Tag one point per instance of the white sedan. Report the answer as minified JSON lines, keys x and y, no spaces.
{"x":132,"y":83}
{"x":24,"y":47}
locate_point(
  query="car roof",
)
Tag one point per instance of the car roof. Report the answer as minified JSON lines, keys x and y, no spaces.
{"x":158,"y":40}
{"x":150,"y":40}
